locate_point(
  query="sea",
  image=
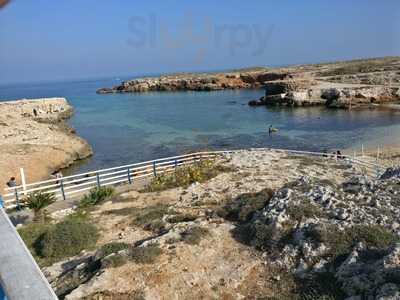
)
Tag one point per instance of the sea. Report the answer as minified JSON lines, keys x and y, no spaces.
{"x":134,"y":127}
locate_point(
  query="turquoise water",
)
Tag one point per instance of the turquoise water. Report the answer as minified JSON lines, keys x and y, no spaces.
{"x":124,"y":128}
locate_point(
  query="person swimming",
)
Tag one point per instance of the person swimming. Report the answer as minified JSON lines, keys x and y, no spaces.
{"x":271,"y":130}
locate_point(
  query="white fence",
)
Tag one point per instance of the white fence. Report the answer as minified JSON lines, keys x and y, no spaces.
{"x":78,"y":184}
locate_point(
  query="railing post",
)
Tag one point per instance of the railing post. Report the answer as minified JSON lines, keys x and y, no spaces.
{"x":98,"y":180}
{"x":176,"y":163}
{"x":129,"y":176}
{"x":154,"y":169}
{"x":62,"y":189}
{"x":23,"y":180}
{"x":17,"y":199}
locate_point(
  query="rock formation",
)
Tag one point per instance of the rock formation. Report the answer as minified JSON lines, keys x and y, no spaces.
{"x":337,"y":85}
{"x":356,"y":83}
{"x":261,"y":230}
{"x":197,"y":82}
{"x":35,"y":137}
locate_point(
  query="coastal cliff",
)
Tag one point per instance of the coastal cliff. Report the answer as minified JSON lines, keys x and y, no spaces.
{"x":34,"y":136}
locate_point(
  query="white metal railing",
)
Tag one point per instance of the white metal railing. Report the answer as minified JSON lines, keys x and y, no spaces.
{"x":80,"y":183}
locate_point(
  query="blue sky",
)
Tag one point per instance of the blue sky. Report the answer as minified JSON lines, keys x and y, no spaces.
{"x":72,"y":39}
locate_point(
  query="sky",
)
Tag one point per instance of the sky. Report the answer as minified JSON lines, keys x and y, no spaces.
{"x":44,"y":40}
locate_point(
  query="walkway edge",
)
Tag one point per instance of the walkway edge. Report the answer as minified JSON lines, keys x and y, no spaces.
{"x":20,"y":276}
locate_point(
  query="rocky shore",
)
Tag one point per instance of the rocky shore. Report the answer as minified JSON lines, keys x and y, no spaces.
{"x":241,"y":79}
{"x":336,"y":85}
{"x":35,"y":136}
{"x":270,"y":226}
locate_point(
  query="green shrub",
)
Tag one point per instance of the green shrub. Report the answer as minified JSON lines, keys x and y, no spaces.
{"x":37,"y":202}
{"x":374,"y":236}
{"x":110,"y":248}
{"x":321,"y":286}
{"x":49,"y":243}
{"x":31,"y":235}
{"x":150,"y":213}
{"x":114,"y":261}
{"x":194,"y":235}
{"x":185,"y":176}
{"x":67,"y":238}
{"x":145,"y":255}
{"x":340,"y":242}
{"x":96,"y":196}
{"x":150,"y":217}
{"x":180,"y":218}
{"x":305,"y":210}
{"x":244,"y":206}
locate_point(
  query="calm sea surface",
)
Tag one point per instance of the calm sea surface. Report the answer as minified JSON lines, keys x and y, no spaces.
{"x":125,"y":128}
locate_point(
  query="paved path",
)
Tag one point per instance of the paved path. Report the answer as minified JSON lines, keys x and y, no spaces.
{"x":20,"y":276}
{"x":25,"y":215}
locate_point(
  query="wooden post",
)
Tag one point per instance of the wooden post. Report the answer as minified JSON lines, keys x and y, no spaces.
{"x":154,"y":169}
{"x":129,"y":176}
{"x":362,"y":150}
{"x":98,"y":180}
{"x":62,"y":189}
{"x":23,"y":181}
{"x":17,"y":199}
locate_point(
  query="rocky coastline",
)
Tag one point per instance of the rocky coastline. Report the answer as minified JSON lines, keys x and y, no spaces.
{"x":336,"y":85}
{"x":241,"y":79}
{"x":347,"y":84}
{"x":36,"y":137}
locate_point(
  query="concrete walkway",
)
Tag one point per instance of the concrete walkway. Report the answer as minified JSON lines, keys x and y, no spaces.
{"x":25,"y":215}
{"x":20,"y":276}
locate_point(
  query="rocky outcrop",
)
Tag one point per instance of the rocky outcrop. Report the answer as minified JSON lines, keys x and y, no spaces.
{"x":36,"y":138}
{"x":197,"y":82}
{"x":338,"y":85}
{"x":347,"y":233}
{"x":283,"y":93}
{"x":260,"y":230}
{"x":348,"y":97}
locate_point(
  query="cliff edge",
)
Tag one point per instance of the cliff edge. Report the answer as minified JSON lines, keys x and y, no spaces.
{"x":34,"y":136}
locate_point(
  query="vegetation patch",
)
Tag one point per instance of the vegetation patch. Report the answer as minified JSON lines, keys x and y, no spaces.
{"x":321,"y":286}
{"x":107,"y":295}
{"x":145,"y":255}
{"x":37,"y":202}
{"x":305,"y":210}
{"x":110,"y":248}
{"x":114,"y":261}
{"x":49,"y":243}
{"x":259,"y":235}
{"x":184,"y":176}
{"x":359,"y":66}
{"x":194,"y":235}
{"x":31,"y":234}
{"x":67,"y":238}
{"x":242,"y":208}
{"x":96,"y":196}
{"x":180,"y":218}
{"x":340,"y":242}
{"x":151,"y":217}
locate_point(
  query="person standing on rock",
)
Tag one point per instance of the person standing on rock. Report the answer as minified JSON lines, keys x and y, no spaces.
{"x":57,"y":175}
